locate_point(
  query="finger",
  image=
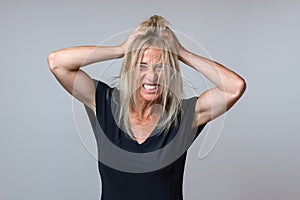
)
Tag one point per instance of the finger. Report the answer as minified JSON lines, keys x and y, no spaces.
{"x":138,"y":29}
{"x":137,"y":32}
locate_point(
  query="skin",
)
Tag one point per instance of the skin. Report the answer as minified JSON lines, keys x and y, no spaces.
{"x":149,"y":74}
{"x":65,"y":64}
{"x":145,"y":116}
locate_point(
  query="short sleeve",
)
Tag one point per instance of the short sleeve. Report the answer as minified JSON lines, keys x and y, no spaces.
{"x":102,"y":101}
{"x":102,"y":98}
{"x":189,"y":108}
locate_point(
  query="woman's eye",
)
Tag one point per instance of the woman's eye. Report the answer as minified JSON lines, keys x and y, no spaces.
{"x":143,"y":67}
{"x":159,"y":67}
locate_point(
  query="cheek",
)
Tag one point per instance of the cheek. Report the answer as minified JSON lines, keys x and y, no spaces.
{"x":161,"y":77}
{"x":140,"y":77}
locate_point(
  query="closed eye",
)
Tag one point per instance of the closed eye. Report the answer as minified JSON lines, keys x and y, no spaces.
{"x":143,"y":66}
{"x":159,"y":67}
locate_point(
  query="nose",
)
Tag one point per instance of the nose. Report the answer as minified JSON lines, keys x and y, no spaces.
{"x":151,"y":75}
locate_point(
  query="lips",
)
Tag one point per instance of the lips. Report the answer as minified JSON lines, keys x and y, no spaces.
{"x":150,"y":87}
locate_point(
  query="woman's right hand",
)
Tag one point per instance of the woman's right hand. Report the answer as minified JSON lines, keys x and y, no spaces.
{"x":125,"y":45}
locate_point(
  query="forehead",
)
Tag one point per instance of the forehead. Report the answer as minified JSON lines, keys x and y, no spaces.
{"x":152,"y":55}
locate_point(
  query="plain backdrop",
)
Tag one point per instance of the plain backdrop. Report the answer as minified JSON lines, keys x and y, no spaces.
{"x":257,"y":155}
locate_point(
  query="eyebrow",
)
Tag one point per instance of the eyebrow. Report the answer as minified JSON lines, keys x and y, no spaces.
{"x":143,"y":63}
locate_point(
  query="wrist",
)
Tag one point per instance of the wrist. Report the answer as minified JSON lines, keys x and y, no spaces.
{"x":182,"y":52}
{"x":120,"y":50}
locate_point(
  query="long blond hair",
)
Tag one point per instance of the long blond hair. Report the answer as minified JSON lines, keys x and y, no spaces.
{"x":156,"y":33}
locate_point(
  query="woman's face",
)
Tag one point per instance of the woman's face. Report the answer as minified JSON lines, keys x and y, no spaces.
{"x":150,"y":75}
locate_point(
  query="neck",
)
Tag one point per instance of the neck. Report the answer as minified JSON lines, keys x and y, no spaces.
{"x":146,"y":109}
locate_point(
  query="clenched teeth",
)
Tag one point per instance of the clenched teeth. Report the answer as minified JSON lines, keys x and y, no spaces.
{"x":150,"y":87}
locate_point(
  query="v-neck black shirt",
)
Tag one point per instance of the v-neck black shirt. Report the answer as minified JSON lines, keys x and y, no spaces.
{"x":164,"y":183}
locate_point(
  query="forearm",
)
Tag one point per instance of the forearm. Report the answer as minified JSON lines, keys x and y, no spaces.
{"x":75,"y":57}
{"x":224,"y":79}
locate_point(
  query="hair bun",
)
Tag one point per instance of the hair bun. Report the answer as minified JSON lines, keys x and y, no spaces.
{"x":156,"y":22}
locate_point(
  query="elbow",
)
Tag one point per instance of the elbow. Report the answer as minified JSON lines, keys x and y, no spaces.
{"x":240,"y":87}
{"x":51,"y":61}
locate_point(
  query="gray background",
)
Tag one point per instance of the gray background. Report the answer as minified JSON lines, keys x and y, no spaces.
{"x":257,"y":156}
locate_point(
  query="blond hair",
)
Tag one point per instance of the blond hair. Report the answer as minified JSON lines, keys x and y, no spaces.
{"x":155,"y":34}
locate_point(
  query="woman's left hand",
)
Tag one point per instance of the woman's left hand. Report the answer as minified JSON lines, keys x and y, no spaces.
{"x":179,"y":48}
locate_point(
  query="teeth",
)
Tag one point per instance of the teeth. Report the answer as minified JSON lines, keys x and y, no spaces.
{"x":150,"y":87}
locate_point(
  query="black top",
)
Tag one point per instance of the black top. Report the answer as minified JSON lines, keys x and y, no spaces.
{"x":152,"y":170}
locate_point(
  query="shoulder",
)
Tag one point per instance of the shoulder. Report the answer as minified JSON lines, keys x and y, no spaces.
{"x":188,"y":103}
{"x":105,"y":96}
{"x":103,"y":90}
{"x":188,"y":106}
{"x":187,"y":109}
{"x":100,"y":84}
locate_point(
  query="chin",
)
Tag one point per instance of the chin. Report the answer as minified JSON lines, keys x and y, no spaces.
{"x":148,"y":98}
{"x":150,"y":95}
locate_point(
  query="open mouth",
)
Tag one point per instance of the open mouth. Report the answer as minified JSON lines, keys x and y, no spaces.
{"x":150,"y":87}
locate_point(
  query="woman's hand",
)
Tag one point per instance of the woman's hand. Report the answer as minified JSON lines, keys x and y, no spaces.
{"x":178,"y":47}
{"x":130,"y":39}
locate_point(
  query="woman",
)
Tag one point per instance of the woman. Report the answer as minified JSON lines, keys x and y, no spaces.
{"x":147,"y":113}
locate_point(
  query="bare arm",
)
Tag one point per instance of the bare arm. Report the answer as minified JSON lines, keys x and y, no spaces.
{"x":65,"y":64}
{"x":215,"y":101}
